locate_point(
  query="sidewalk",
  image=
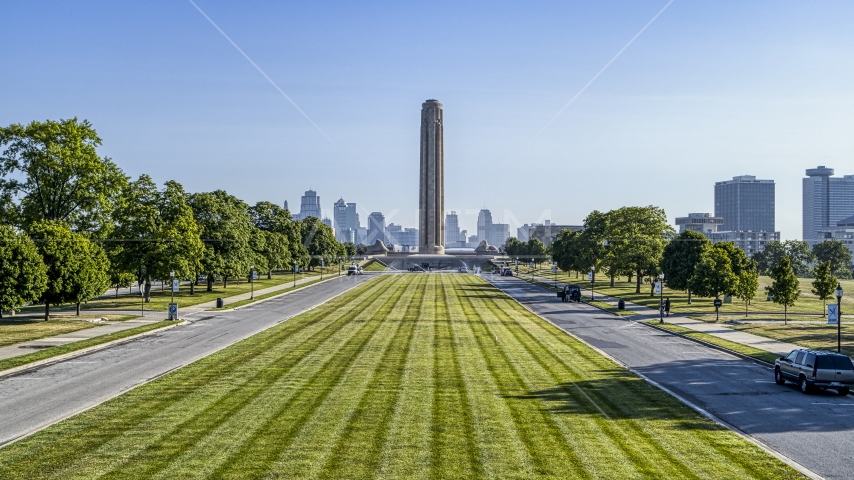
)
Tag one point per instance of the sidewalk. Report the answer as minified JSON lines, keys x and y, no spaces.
{"x":246,"y":296}
{"x":107,"y":328}
{"x":714,"y":329}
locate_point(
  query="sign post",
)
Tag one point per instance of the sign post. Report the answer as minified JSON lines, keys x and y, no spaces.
{"x":718,"y":304}
{"x":832,"y":314}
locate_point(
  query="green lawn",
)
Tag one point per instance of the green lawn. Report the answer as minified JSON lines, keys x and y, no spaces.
{"x":16,"y":331}
{"x":807,"y":303}
{"x":374,"y":266}
{"x":50,"y":352}
{"x":160,"y":298}
{"x":817,"y":336}
{"x":406,"y":376}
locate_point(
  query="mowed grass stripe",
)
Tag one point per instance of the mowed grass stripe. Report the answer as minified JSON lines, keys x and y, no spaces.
{"x":213,"y":401}
{"x":406,"y":453}
{"x":640,"y":409}
{"x":313,"y":446}
{"x":455,"y":450}
{"x":553,"y":450}
{"x":502,"y":452}
{"x":148,"y":408}
{"x":359,"y":448}
{"x":220,"y":441}
{"x":260,"y":450}
{"x":407,"y":376}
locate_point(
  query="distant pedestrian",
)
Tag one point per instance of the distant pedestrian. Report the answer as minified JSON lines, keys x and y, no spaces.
{"x":667,"y":306}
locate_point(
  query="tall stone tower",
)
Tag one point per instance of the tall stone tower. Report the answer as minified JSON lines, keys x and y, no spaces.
{"x":431,"y":202}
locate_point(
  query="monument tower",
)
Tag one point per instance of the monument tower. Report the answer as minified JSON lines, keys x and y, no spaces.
{"x":431,"y":202}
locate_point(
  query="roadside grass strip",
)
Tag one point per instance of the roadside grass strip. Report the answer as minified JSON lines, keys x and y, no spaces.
{"x":405,"y":376}
{"x":46,"y":353}
{"x":756,"y":353}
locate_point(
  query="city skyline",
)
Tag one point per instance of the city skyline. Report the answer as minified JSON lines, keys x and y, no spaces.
{"x":172,"y":97}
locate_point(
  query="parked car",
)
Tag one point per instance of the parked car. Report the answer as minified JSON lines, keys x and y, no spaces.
{"x":464,"y":270}
{"x":417,"y":268}
{"x":496,"y":270}
{"x":815,"y":369}
{"x":507,"y":272}
{"x":353,"y":270}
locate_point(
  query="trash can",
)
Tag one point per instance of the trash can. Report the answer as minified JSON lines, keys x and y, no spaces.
{"x":621,"y":305}
{"x":219,"y":303}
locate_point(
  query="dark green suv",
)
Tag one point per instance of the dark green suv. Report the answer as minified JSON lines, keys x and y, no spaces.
{"x":815,"y":369}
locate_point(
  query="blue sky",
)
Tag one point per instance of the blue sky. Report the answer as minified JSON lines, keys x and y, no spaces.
{"x":709,"y":91}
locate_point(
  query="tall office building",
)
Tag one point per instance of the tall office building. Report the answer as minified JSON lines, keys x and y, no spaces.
{"x":494,"y":233}
{"x":352,"y":217}
{"x":452,"y":230}
{"x":309,"y":206}
{"x":699,"y":222}
{"x":827,"y":200}
{"x":376,"y":228}
{"x":484,"y":224}
{"x":745,"y":203}
{"x":339,"y":217}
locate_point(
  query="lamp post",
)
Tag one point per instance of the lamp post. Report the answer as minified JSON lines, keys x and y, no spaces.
{"x":592,"y":277}
{"x":172,"y":278}
{"x":661,"y":297}
{"x":252,"y":281}
{"x":517,"y":264}
{"x":839,"y":318}
{"x":295,"y":274}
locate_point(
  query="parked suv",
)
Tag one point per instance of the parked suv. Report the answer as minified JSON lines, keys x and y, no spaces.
{"x":815,"y":368}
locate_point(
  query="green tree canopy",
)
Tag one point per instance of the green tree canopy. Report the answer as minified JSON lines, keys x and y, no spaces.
{"x":320,"y":242}
{"x":799,"y":253}
{"x":63,"y":177}
{"x":536,"y":251}
{"x":23,"y":274}
{"x":714,"y":275}
{"x":681,"y":257}
{"x":837,"y":254}
{"x":225,"y":227}
{"x":824,"y":284}
{"x":76,"y":267}
{"x":785,"y":289}
{"x":636,"y":238}
{"x":155,"y":233}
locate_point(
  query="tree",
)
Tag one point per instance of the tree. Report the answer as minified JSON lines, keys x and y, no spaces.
{"x":23,"y":274}
{"x":72,"y":262}
{"x":119,"y":278}
{"x":275,"y":224}
{"x":155,"y":234}
{"x":320,"y":242}
{"x":536,"y":250}
{"x":225,"y":226}
{"x":350,"y":249}
{"x":92,"y":277}
{"x":824,"y":284}
{"x":835,"y":252}
{"x":748,"y":283}
{"x":636,"y":238}
{"x":62,"y":175}
{"x":565,"y":250}
{"x":785,"y":288}
{"x":771,"y":255}
{"x":800,"y":256}
{"x":714,"y":275}
{"x":361,"y":249}
{"x":680,"y":258}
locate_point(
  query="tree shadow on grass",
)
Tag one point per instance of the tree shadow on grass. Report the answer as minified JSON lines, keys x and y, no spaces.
{"x":621,"y":396}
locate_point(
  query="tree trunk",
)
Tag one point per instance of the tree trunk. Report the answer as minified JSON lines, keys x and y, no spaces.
{"x":269,"y":274}
{"x":652,"y":287}
{"x":785,"y":314}
{"x":78,"y":309}
{"x":210,"y":282}
{"x":46,"y":311}
{"x":612,"y":280}
{"x":117,"y":292}
{"x":147,"y":290}
{"x":637,"y":285}
{"x":630,"y":277}
{"x":689,"y":296}
{"x":224,"y":281}
{"x":193,"y":286}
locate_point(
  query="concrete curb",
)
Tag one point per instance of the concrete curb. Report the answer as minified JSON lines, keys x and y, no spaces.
{"x":11,"y":372}
{"x":779,"y":456}
{"x":256,"y":302}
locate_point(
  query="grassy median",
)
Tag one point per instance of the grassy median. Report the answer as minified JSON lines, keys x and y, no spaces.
{"x":427,"y":376}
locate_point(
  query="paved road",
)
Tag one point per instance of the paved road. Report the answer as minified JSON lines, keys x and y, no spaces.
{"x":37,"y":398}
{"x":816,"y":431}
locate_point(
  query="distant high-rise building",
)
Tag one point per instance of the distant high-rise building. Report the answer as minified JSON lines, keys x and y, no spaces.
{"x":699,"y":222}
{"x":523,"y":233}
{"x":548,"y":233}
{"x":498,"y":234}
{"x":484,"y":224}
{"x":842,"y":231}
{"x":286,"y":205}
{"x":745,"y":203}
{"x":352,"y":217}
{"x":452,"y":230}
{"x":827,"y":200}
{"x":376,"y":228}
{"x":309,"y":205}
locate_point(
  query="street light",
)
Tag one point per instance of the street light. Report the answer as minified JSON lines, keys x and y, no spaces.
{"x":661,"y":297}
{"x":172,"y":277}
{"x":252,"y":281}
{"x":839,"y":318}
{"x":295,"y":274}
